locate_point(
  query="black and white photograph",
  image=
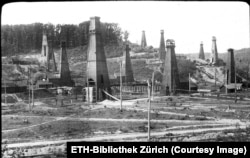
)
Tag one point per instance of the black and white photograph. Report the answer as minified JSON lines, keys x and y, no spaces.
{"x":123,"y":71}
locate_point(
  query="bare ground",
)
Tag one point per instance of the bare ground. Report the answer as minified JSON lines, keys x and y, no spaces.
{"x":173,"y":119}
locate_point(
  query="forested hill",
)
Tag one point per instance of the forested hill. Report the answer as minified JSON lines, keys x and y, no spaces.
{"x":21,"y":39}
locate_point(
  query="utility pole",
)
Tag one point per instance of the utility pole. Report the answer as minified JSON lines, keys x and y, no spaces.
{"x":189,"y":86}
{"x":5,"y":100}
{"x":32,"y":93}
{"x":248,"y":75}
{"x":29,"y":85}
{"x":87,"y":81}
{"x":225,"y":79}
{"x":235,"y":86}
{"x":121,"y":86}
{"x":149,"y":108}
{"x":215,"y":78}
{"x":153,"y":78}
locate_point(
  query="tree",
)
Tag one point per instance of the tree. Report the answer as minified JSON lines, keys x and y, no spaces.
{"x":185,"y":67}
{"x":17,"y":39}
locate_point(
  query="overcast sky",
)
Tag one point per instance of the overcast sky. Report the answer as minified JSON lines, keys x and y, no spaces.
{"x":188,"y":23}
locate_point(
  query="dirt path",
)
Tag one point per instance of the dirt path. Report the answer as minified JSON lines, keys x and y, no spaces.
{"x":172,"y":113}
{"x":127,"y":105}
{"x":27,"y":127}
{"x":219,"y":121}
{"x":121,"y":136}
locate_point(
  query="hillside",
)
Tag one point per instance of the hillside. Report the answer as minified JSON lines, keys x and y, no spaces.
{"x":77,"y":61}
{"x":140,"y":59}
{"x":242,"y":58}
{"x":243,"y":54}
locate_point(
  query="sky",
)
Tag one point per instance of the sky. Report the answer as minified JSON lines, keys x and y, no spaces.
{"x":188,"y":23}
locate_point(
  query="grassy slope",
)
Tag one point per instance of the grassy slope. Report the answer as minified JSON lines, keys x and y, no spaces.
{"x":77,"y":61}
{"x":242,"y":58}
{"x":243,"y":54}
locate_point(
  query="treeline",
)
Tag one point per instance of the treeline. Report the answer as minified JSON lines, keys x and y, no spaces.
{"x":18,"y":39}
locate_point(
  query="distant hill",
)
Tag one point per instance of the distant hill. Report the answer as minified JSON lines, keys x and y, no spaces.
{"x":242,"y":58}
{"x":243,"y":53}
{"x":196,"y":55}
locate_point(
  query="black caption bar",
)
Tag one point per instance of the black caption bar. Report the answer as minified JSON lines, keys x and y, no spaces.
{"x":158,"y":149}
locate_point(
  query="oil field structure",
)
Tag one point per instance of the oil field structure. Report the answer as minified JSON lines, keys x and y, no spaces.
{"x":121,"y":108}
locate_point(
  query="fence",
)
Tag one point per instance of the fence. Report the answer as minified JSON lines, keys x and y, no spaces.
{"x":135,"y":89}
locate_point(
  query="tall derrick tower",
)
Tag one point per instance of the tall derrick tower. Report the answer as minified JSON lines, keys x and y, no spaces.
{"x":64,"y":77}
{"x":51,"y":61}
{"x":170,"y":80}
{"x":201,"y":54}
{"x":45,"y":50}
{"x":214,"y":51}
{"x":127,"y":66}
{"x":47,"y":54}
{"x":97,"y":71}
{"x":162,"y":49}
{"x":230,"y":68}
{"x":64,"y":71}
{"x":143,"y":40}
{"x":64,"y":65}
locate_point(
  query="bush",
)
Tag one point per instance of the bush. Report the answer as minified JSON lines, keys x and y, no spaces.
{"x":185,"y":67}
